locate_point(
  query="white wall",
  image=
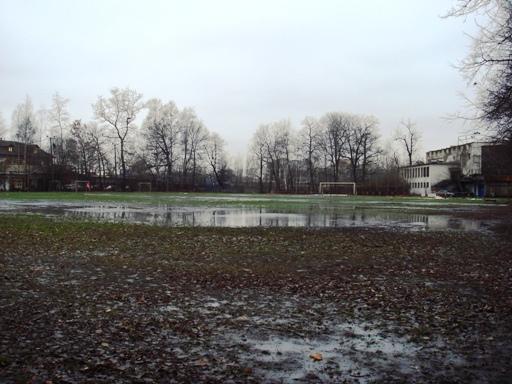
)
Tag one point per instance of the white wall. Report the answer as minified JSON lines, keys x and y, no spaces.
{"x":421,"y":178}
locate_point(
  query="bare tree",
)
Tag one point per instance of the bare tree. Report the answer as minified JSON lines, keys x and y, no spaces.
{"x":84,"y":146}
{"x":23,"y":121}
{"x":97,"y":142}
{"x":354,"y":144}
{"x":60,"y":122}
{"x":216,"y":157}
{"x":198,"y":135}
{"x":42,"y":117}
{"x":192,"y":136}
{"x":488,"y":66}
{"x":3,"y":127}
{"x":309,"y":137}
{"x":162,"y":128}
{"x":119,"y":112}
{"x":335,"y":128}
{"x":59,"y":115}
{"x":370,"y":147}
{"x":258,"y":153}
{"x":275,"y":138}
{"x":409,"y":137}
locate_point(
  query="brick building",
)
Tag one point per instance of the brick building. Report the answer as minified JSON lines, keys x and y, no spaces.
{"x":23,"y":167}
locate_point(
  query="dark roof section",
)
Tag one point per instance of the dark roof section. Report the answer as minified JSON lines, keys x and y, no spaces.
{"x":449,"y":163}
{"x":18,"y":148}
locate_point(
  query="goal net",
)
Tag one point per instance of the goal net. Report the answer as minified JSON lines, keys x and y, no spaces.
{"x":144,"y":187}
{"x":337,"y":188}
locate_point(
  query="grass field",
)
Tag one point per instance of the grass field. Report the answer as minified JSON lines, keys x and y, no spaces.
{"x":226,"y":199}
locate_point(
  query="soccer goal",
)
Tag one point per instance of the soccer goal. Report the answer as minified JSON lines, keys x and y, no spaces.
{"x":337,"y":188}
{"x":144,"y":187}
{"x":83,"y":185}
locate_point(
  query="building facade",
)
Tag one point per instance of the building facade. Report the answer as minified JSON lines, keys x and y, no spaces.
{"x":468,"y":156}
{"x":497,"y":170}
{"x":424,"y":178}
{"x":23,"y":167}
{"x":479,"y":169}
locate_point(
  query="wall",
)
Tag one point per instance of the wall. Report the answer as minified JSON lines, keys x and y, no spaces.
{"x":469,"y":156}
{"x":421,"y":178}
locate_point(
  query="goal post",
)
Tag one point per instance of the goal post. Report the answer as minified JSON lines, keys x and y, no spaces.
{"x":337,"y":188}
{"x":144,"y":186}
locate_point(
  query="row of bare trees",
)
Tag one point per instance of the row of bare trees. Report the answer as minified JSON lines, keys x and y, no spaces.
{"x":173,"y":148}
{"x":171,"y":145}
{"x":335,"y":147}
{"x":177,"y":145}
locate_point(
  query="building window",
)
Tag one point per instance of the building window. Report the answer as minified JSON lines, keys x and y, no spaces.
{"x":428,"y":171}
{"x":10,"y":149}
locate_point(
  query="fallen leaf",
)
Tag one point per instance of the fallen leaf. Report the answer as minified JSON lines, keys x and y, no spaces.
{"x":316,"y":356}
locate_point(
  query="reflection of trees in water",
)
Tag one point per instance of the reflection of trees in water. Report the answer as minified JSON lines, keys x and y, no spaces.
{"x":259,"y":217}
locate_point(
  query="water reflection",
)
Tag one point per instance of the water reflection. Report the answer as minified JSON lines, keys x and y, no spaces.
{"x":260,"y":217}
{"x":312,"y":217}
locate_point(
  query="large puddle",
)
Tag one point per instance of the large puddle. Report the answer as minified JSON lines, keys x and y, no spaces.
{"x":197,"y":216}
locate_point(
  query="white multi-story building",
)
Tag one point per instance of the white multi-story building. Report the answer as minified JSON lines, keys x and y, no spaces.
{"x":421,"y":178}
{"x":468,"y":156}
{"x":458,"y":167}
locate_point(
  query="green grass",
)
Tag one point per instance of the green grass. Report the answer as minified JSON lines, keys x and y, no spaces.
{"x":236,"y":200}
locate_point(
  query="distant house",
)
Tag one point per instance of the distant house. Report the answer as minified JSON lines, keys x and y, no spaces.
{"x":23,"y":167}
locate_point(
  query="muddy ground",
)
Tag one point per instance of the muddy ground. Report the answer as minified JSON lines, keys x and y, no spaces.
{"x":102,"y":303}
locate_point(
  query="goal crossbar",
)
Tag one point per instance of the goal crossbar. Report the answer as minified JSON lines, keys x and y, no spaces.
{"x":325,"y":184}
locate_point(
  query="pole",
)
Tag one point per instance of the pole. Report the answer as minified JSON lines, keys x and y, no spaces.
{"x":52,"y":165}
{"x":115,"y":161}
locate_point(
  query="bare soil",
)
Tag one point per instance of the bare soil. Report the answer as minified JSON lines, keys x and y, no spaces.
{"x":101,"y":303}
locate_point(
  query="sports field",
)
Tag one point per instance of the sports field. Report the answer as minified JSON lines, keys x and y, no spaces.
{"x":94,"y":291}
{"x":280,"y":201}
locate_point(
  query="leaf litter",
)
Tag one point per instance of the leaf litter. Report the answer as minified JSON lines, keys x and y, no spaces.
{"x":88,"y":302}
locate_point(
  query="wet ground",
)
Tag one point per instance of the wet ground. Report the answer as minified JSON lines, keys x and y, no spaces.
{"x":100,"y":302}
{"x":368,"y":214}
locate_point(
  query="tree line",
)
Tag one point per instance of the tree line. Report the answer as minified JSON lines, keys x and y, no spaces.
{"x":173,"y":149}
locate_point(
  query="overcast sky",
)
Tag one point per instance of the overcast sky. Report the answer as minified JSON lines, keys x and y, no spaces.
{"x":243,"y":63}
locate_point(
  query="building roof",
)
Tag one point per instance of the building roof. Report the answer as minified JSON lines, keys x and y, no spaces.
{"x":450,"y":163}
{"x":460,"y":145}
{"x":18,"y":148}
